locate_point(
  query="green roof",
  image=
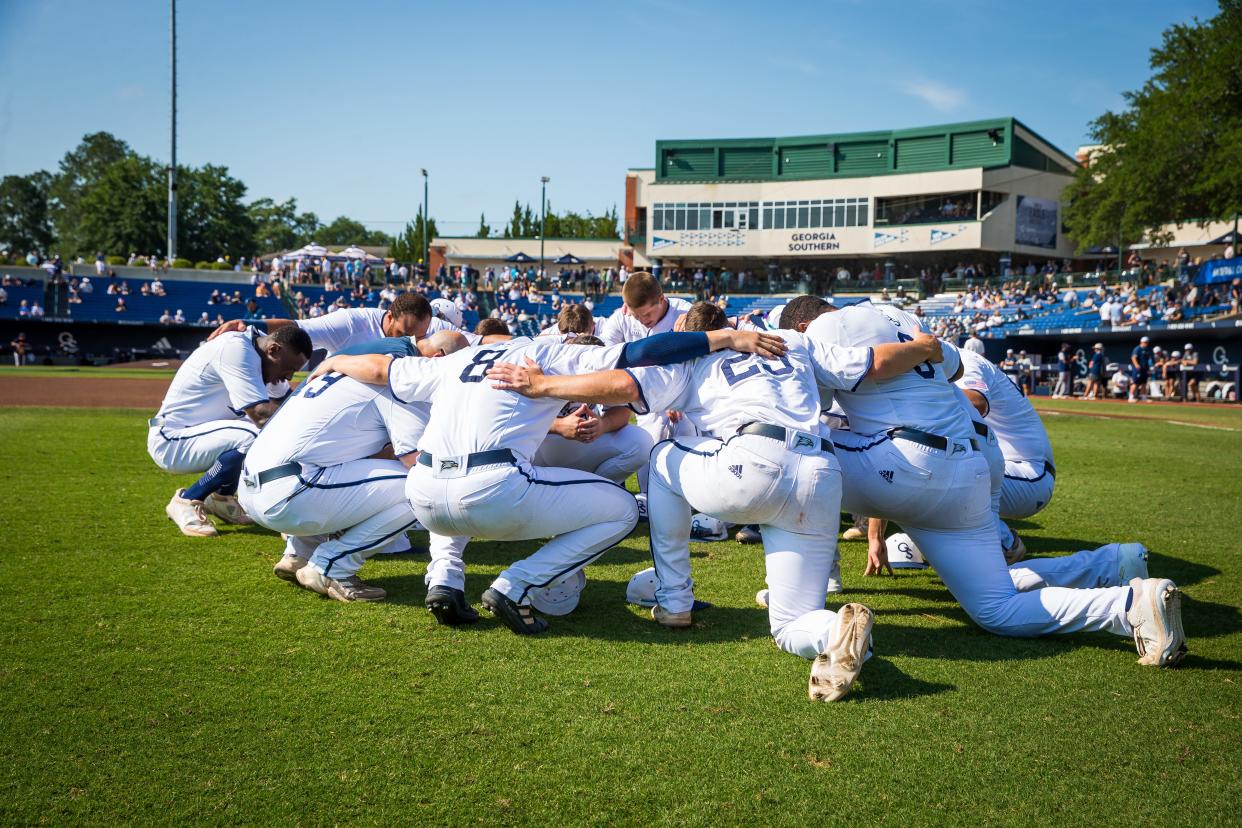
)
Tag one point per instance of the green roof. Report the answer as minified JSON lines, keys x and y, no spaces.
{"x":998,"y":142}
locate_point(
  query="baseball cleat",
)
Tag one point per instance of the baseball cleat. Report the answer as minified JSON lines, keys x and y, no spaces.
{"x":1131,"y":562}
{"x":679,"y":620}
{"x":189,"y":516}
{"x":1155,"y":614}
{"x":761,"y":597}
{"x":853,"y":534}
{"x":346,"y":590}
{"x":286,"y":569}
{"x":515,"y":616}
{"x":449,"y":606}
{"x":227,"y":509}
{"x":834,"y":671}
{"x":748,"y":535}
{"x":1016,"y":551}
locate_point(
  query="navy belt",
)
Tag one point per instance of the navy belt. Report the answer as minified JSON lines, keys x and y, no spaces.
{"x":926,"y":438}
{"x":981,"y":429}
{"x":1050,"y":469}
{"x":479,"y":458}
{"x":776,"y":432}
{"x":277,"y":472}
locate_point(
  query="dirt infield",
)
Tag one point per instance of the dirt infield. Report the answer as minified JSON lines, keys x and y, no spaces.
{"x":83,"y":392}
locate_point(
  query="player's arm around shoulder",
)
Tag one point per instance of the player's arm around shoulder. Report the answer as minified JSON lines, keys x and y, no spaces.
{"x":369,"y":368}
{"x":891,"y":359}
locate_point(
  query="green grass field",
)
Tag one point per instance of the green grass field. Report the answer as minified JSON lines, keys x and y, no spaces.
{"x":153,"y":678}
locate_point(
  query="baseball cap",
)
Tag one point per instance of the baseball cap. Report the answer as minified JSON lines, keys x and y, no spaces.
{"x":903,"y":553}
{"x":1156,"y":349}
{"x":447,"y":311}
{"x":1145,"y":339}
{"x":1176,"y":354}
{"x":561,"y":596}
{"x":1099,"y":346}
{"x":774,"y":317}
{"x":1189,"y":346}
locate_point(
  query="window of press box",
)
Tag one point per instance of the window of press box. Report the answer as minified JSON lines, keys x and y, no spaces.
{"x":927,"y":209}
{"x":719,"y":215}
{"x":815,"y":213}
{"x":991,"y":201}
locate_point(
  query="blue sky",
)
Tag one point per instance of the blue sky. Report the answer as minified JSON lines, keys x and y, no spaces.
{"x":339,"y":104}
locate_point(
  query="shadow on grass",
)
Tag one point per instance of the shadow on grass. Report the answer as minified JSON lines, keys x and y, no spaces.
{"x":1207,"y":619}
{"x":881,"y":680}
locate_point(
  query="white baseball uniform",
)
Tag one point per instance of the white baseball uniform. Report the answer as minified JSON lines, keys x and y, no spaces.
{"x":203,"y":413}
{"x":785,"y":481}
{"x":615,"y":455}
{"x":554,"y":329}
{"x":438,"y":324}
{"x":502,"y":495}
{"x":317,"y":450}
{"x":912,"y":456}
{"x":345,"y":327}
{"x":622,"y":327}
{"x":1029,"y":473}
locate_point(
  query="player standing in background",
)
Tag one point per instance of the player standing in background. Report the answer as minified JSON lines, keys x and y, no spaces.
{"x":1190,"y":363}
{"x":474,"y":475}
{"x":1140,"y":370}
{"x":312,"y":475}
{"x":765,"y":461}
{"x":912,"y":456}
{"x":1097,"y":371}
{"x":211,"y":413}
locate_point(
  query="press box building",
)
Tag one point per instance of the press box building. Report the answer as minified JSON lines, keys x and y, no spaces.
{"x":927,"y":197}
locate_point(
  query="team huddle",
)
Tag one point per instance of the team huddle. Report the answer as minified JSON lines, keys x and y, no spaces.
{"x":410,"y":422}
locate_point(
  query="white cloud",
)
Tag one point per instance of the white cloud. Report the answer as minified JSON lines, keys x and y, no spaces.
{"x":936,"y":95}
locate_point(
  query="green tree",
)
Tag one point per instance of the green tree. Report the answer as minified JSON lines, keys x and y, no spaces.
{"x":1174,"y":154}
{"x":212,"y":220}
{"x":407,"y":246}
{"x":79,"y":172}
{"x":484,"y":230}
{"x":125,"y":210}
{"x":344,"y":231}
{"x":25,"y":219}
{"x":279,"y":226}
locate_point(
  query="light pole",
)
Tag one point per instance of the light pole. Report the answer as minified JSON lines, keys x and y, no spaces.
{"x":426,"y":237}
{"x":172,"y":137}
{"x":543,"y":219}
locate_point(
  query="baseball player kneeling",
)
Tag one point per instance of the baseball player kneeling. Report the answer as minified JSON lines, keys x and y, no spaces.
{"x":768,"y":464}
{"x":214,"y":407}
{"x":475,"y":477}
{"x":311,"y":475}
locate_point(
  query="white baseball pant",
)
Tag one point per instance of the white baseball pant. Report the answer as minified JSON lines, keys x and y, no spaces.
{"x":194,"y":449}
{"x":660,"y":428}
{"x":1087,"y":569}
{"x":751,"y":479}
{"x":615,"y":455}
{"x":942,"y":499}
{"x":584,"y":514}
{"x":447,"y":566}
{"x":363,"y":500}
{"x":1027,"y":488}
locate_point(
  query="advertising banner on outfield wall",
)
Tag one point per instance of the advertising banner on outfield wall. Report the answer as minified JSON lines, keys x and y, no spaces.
{"x":1037,"y":222}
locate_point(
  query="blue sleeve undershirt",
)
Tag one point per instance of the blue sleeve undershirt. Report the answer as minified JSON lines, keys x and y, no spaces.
{"x":664,"y":349}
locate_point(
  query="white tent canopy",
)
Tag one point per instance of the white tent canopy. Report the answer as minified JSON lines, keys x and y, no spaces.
{"x":310,"y":251}
{"x":354,"y":252}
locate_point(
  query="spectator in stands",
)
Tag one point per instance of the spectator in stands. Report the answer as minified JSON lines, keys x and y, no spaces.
{"x":144,"y":290}
{"x":973,"y":343}
{"x":23,"y":309}
{"x":179,"y":317}
{"x":203,"y":319}
{"x":1140,"y":369}
{"x":157,"y":287}
{"x":166,"y":317}
{"x":120,"y":305}
{"x":85,"y":285}
{"x":20,"y":348}
{"x":1190,"y":364}
{"x":4,"y":296}
{"x":36,"y":311}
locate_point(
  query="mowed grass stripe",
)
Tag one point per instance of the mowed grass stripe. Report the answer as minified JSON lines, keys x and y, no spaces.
{"x":150,"y":677}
